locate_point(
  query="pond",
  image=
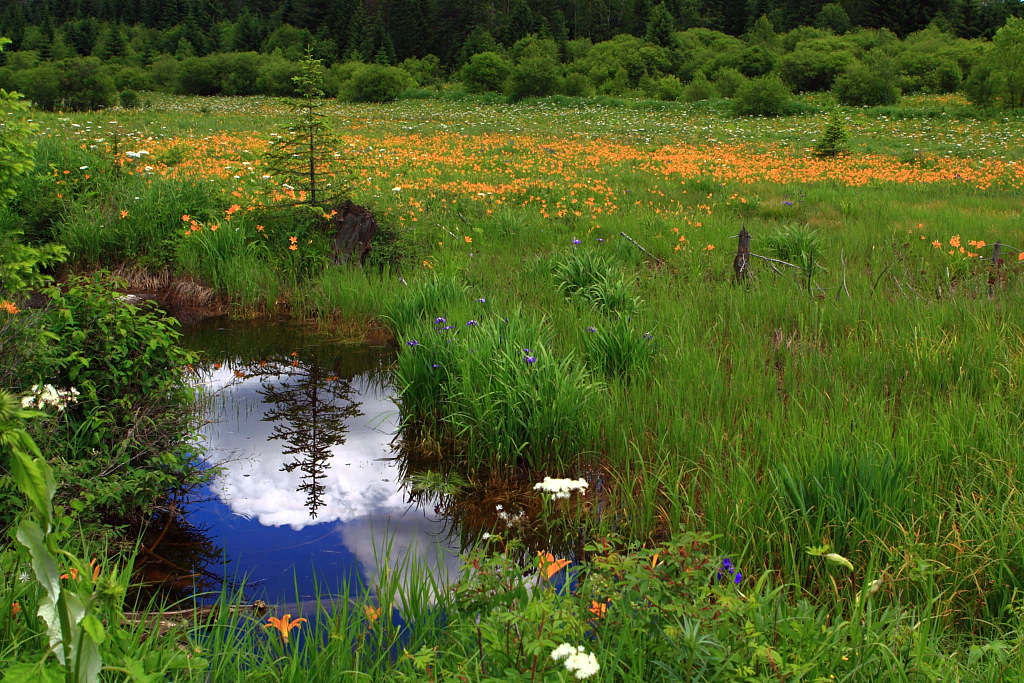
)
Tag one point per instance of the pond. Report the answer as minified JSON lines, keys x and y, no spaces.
{"x":307,"y":494}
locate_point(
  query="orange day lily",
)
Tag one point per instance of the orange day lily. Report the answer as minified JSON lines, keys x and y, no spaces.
{"x":549,"y":565}
{"x":372,"y":613}
{"x":9,"y":307}
{"x":15,"y":608}
{"x":124,"y":213}
{"x":284,"y":624}
{"x":598,"y":609}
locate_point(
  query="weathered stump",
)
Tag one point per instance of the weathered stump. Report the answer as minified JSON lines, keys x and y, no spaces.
{"x":741,"y":263}
{"x":354,"y":230}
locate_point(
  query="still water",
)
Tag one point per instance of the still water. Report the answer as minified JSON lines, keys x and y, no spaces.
{"x":307,"y":490}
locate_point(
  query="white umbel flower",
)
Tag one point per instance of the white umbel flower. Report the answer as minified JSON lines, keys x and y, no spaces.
{"x":561,"y":488}
{"x":578,"y":661}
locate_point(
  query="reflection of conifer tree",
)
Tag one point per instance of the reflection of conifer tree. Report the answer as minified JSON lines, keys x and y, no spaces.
{"x":311,"y":408}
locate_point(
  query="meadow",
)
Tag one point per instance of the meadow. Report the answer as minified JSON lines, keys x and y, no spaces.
{"x":844,"y":425}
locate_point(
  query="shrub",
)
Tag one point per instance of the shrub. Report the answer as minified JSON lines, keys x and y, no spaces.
{"x":425,"y":71}
{"x":577,"y":85}
{"x":810,"y":68}
{"x":756,"y":61}
{"x":534,"y":77}
{"x":861,"y":85}
{"x":485,"y":72}
{"x":665,"y":88}
{"x":700,"y":88}
{"x":728,"y":81}
{"x":199,"y":76}
{"x":129,"y":99}
{"x":78,"y":84}
{"x":764,"y":96}
{"x":377,"y":83}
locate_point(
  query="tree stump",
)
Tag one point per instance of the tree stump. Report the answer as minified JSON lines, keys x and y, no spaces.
{"x":741,"y":263}
{"x":354,"y":230}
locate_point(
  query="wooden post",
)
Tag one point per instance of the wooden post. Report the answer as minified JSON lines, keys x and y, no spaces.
{"x":741,"y":263}
{"x":995,"y":253}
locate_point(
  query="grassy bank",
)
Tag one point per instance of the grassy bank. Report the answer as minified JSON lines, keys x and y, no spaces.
{"x":860,"y":399}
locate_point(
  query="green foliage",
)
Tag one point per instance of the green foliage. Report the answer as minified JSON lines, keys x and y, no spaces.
{"x":78,"y":84}
{"x":376,"y":83}
{"x":302,"y":158}
{"x":700,"y":88}
{"x":863,"y":85}
{"x":728,"y":81}
{"x":534,"y":77}
{"x":834,"y":140}
{"x":618,"y":348}
{"x":485,"y":72}
{"x":999,"y":77}
{"x":814,"y":65}
{"x":764,"y":96}
{"x":134,"y":408}
{"x":667,"y":88}
{"x":796,"y":244}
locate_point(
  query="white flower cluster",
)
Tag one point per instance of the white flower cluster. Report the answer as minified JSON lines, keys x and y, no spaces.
{"x":48,"y":395}
{"x":577,"y":660}
{"x":137,"y":155}
{"x":561,"y":488}
{"x":511,"y":519}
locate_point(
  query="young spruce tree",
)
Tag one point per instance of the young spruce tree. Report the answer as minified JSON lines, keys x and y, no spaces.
{"x":304,"y":158}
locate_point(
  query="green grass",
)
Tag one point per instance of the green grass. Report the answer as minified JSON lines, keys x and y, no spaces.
{"x":874,"y":407}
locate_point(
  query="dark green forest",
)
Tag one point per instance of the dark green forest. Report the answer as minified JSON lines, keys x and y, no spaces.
{"x":393,"y":30}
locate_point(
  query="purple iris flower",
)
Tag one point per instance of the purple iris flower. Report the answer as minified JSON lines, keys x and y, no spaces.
{"x":412,"y":342}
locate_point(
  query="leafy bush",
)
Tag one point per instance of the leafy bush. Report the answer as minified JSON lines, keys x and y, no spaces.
{"x":728,"y":81}
{"x":700,"y":88}
{"x":377,"y":83}
{"x":576,"y":84}
{"x":199,"y":76}
{"x":756,"y":61}
{"x":764,"y":96}
{"x":129,"y":99}
{"x":861,"y":85}
{"x":485,"y":72}
{"x":79,"y":84}
{"x":814,"y":65}
{"x":534,"y":77}
{"x":667,"y":88}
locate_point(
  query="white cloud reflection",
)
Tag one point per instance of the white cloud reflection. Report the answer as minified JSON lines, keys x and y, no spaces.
{"x":361,"y":490}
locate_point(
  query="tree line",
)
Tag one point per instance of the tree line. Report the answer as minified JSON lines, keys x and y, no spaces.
{"x":389,"y":31}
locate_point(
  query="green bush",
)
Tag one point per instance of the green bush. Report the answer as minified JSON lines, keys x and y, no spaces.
{"x":728,"y":81}
{"x":129,"y":99}
{"x":861,"y":85}
{"x":377,"y":83}
{"x":700,"y":88}
{"x":200,"y":76}
{"x":833,"y":141}
{"x":485,"y":72}
{"x":534,"y":77}
{"x":756,"y":61}
{"x":78,"y":84}
{"x":814,"y":66}
{"x":764,"y":96}
{"x":577,"y":85}
{"x":666,"y":88}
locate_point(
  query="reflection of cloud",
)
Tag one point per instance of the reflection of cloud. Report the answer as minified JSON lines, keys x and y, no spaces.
{"x":358,"y":481}
{"x":399,"y":539}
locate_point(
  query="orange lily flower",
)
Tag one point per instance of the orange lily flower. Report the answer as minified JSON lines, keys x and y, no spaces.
{"x":598,"y":609}
{"x":283,"y":625}
{"x":15,"y":608}
{"x":372,"y":613}
{"x":9,"y":307}
{"x":550,"y":565}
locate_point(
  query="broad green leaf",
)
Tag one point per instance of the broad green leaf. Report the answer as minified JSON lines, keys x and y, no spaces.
{"x":94,"y":627}
{"x":44,"y":564}
{"x":34,"y":479}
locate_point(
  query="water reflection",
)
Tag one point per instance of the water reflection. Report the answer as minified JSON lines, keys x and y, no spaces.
{"x":307,"y":492}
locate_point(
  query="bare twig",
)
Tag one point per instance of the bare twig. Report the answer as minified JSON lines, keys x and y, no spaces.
{"x":775,"y":260}
{"x":641,"y":248}
{"x":842,"y":258}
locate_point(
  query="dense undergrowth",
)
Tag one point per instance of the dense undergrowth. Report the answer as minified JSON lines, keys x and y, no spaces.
{"x":844,"y":426}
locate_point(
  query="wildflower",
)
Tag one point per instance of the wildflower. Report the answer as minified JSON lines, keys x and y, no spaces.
{"x":49,"y":396}
{"x":561,"y":488}
{"x":591,"y":329}
{"x":600,"y":239}
{"x":259,"y":228}
{"x":283,"y":625}
{"x":471,"y":323}
{"x":954,"y":241}
{"x":294,"y":354}
{"x":186,"y":218}
{"x":577,"y":660}
{"x":9,"y":307}
{"x":412,"y":342}
{"x":648,"y":335}
{"x":293,"y":247}
{"x":530,"y":360}
{"x":788,"y":203}
{"x":710,"y":247}
{"x":936,"y":244}
{"x":575,"y":241}
{"x":468,"y":239}
{"x":396,"y":188}
{"x":598,"y":609}
{"x":124,"y":213}
{"x":550,"y":565}
{"x":440,"y":320}
{"x":481,"y":300}
{"x":372,"y":614}
{"x":213,"y":228}
{"x":15,"y":608}
{"x":293,"y":239}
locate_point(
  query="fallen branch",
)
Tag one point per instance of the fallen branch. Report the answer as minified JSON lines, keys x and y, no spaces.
{"x":638,"y":246}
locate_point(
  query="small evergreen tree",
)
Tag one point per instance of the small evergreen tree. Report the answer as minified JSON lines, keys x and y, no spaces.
{"x":833,"y":141}
{"x":302,"y":159}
